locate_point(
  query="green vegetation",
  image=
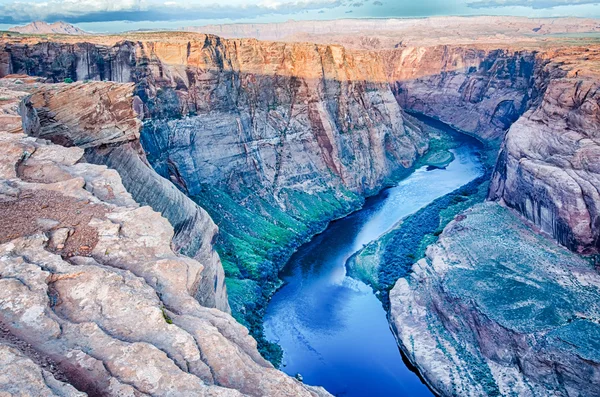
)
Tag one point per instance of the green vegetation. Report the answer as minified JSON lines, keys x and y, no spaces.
{"x":439,"y":159}
{"x":68,"y":80}
{"x":257,"y":238}
{"x":478,"y":370}
{"x":382,"y":262}
{"x":543,"y":278}
{"x":166,"y":316}
{"x":582,"y":336}
{"x":391,"y":257}
{"x":440,"y":143}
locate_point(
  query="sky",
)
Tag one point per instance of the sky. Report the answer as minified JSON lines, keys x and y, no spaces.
{"x":120,"y":15}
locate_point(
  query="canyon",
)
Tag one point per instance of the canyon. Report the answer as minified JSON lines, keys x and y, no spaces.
{"x":170,"y":175}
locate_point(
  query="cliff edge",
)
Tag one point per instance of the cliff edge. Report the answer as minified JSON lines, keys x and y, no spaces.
{"x":92,"y":293}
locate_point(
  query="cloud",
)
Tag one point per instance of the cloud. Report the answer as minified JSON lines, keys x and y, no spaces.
{"x":78,"y":11}
{"x":536,"y":4}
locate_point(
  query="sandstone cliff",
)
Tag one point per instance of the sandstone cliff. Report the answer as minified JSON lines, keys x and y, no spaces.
{"x":495,"y":309}
{"x":478,"y":91}
{"x":103,"y":118}
{"x":548,"y":166}
{"x":272,"y":139}
{"x":92,"y":293}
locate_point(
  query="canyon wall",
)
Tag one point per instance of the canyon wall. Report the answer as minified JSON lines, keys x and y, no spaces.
{"x":548,"y":167}
{"x":93,"y":296}
{"x":104,"y":119}
{"x":496,"y":309}
{"x":274,"y":140}
{"x":479,"y":91}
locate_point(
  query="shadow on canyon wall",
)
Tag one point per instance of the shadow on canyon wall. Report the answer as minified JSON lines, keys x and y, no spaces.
{"x":274,"y":140}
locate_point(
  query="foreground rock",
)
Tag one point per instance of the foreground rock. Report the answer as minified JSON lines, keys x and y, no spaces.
{"x":23,"y":377}
{"x":104,"y":118}
{"x":91,"y":289}
{"x":495,"y":309}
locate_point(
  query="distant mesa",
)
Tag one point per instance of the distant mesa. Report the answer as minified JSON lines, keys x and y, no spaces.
{"x":48,"y":28}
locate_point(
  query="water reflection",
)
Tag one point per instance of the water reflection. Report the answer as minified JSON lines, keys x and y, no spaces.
{"x":332,"y":328}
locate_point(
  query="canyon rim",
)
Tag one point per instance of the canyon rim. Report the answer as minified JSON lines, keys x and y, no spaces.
{"x":192,"y":212}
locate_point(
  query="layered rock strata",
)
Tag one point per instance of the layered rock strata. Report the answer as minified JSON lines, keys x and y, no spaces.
{"x":104,"y":119}
{"x":495,"y":309}
{"x":548,"y":168}
{"x":477,"y":91}
{"x":92,"y":293}
{"x":273,"y":139}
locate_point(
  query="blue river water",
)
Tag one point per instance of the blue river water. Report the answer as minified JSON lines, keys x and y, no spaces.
{"x":332,"y":328}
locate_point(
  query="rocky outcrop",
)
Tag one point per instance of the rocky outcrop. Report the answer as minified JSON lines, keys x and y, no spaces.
{"x":91,"y":288}
{"x":22,"y":376}
{"x":40,"y":27}
{"x":495,"y":309}
{"x":87,"y":115}
{"x":548,"y":165}
{"x":104,"y":119}
{"x":273,"y":140}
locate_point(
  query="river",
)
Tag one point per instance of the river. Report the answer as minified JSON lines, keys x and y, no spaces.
{"x":332,"y":328}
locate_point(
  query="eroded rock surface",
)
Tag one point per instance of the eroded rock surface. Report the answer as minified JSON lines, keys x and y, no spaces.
{"x":104,"y":118}
{"x":20,"y":376}
{"x":89,"y":282}
{"x":495,"y":309}
{"x":477,"y":90}
{"x":548,"y":168}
